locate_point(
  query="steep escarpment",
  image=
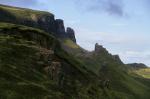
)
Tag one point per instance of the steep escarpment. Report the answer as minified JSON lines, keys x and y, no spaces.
{"x":37,"y":19}
{"x":31,"y":69}
{"x":28,"y":17}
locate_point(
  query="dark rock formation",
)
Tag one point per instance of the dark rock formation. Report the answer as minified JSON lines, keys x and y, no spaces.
{"x":100,"y":49}
{"x":61,"y":33}
{"x":71,"y":34}
{"x":47,"y":23}
{"x":60,"y":28}
{"x":117,"y":58}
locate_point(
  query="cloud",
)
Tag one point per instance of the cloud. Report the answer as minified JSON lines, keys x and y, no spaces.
{"x":111,"y":7}
{"x":115,"y":8}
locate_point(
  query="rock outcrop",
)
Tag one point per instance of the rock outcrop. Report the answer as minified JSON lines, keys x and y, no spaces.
{"x":100,"y":49}
{"x":37,"y":19}
{"x":60,"y":28}
{"x":71,"y":34}
{"x":117,"y":58}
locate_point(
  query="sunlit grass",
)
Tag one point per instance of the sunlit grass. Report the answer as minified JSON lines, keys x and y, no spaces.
{"x":143,"y":72}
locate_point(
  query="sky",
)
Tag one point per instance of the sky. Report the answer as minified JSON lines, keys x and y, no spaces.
{"x":121,"y":26}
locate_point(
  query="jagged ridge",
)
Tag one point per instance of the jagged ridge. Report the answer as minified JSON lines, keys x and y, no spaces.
{"x":37,"y":19}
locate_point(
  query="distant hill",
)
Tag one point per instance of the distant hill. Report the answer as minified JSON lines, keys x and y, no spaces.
{"x":137,"y":66}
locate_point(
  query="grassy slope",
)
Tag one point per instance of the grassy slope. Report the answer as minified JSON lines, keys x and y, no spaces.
{"x":19,"y":77}
{"x":24,"y":13}
{"x":22,"y":75}
{"x":18,"y":57}
{"x":143,"y":72}
{"x":125,"y":85}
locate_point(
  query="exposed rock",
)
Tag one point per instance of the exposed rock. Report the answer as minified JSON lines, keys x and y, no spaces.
{"x":117,"y":58}
{"x":60,"y":28}
{"x":47,"y":22}
{"x":61,"y":33}
{"x":71,"y":34}
{"x":54,"y":70}
{"x":100,"y":49}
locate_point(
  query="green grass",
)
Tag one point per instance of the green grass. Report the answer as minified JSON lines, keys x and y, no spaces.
{"x":22,"y":75}
{"x":143,"y":72}
{"x":11,"y":26}
{"x":25,"y":13}
{"x":18,"y":74}
{"x":70,"y":44}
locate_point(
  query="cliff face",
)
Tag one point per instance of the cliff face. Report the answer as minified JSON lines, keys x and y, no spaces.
{"x":37,"y":19}
{"x":41,"y":20}
{"x":100,"y":49}
{"x":71,"y":34}
{"x":62,"y":33}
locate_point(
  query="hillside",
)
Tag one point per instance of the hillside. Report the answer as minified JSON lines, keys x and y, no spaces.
{"x":43,"y":61}
{"x":36,"y":19}
{"x":143,"y":72}
{"x":127,"y":85}
{"x":26,"y":65}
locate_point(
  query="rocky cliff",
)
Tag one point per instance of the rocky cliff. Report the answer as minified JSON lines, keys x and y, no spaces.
{"x":99,"y":49}
{"x":71,"y":34}
{"x":37,"y":19}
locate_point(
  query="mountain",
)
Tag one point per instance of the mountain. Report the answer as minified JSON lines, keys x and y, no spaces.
{"x":39,"y":59}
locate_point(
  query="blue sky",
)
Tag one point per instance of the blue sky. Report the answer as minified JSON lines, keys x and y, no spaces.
{"x":121,"y":26}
